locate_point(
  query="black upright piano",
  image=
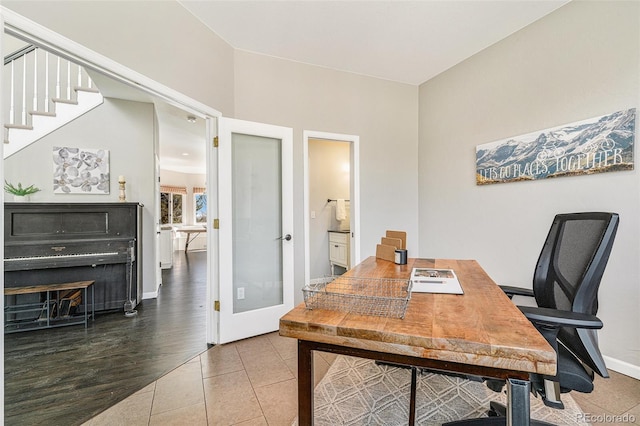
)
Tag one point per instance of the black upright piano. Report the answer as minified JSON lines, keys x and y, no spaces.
{"x":49,"y":243}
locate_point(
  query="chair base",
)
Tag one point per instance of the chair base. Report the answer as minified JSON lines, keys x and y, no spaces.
{"x":497,"y":417}
{"x":491,"y":421}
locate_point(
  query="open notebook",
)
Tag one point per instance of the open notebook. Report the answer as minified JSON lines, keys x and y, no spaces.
{"x":430,"y":280}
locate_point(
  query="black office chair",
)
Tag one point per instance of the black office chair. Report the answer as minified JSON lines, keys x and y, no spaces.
{"x":565,"y":286}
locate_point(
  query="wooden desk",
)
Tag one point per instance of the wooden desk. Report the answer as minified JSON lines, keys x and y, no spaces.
{"x":189,"y":231}
{"x":480,"y":333}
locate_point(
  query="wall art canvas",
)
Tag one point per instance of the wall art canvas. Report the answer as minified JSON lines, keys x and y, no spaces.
{"x":597,"y":145}
{"x":80,"y":171}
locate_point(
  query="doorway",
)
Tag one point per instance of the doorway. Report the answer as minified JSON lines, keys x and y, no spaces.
{"x":162,"y":324}
{"x":256,"y":227}
{"x":332,"y":210}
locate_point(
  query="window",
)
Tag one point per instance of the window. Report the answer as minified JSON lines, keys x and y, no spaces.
{"x":200,"y":205}
{"x":171,"y":202}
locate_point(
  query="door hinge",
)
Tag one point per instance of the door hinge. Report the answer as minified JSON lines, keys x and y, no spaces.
{"x":216,"y":223}
{"x":215,"y":142}
{"x":216,"y":305}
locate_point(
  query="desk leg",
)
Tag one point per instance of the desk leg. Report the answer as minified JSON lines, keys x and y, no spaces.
{"x":412,"y":398}
{"x":519,"y":405}
{"x":86,"y":308}
{"x":305,"y":383}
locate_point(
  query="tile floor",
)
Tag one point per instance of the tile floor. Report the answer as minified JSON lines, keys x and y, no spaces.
{"x":253,"y":382}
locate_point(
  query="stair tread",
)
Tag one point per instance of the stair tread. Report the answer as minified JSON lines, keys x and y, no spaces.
{"x":65,"y":101}
{"x":18,"y":126}
{"x":87,"y":89}
{"x":46,"y":114}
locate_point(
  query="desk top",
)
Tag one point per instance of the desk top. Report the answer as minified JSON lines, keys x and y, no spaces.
{"x":191,"y":229}
{"x":482,"y":327}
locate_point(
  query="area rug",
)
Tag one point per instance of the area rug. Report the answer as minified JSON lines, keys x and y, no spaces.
{"x":357,"y":391}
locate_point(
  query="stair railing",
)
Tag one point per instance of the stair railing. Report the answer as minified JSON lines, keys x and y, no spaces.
{"x":26,"y":78}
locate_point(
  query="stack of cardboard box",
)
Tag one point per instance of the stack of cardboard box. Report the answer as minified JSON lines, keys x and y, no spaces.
{"x":394,"y":240}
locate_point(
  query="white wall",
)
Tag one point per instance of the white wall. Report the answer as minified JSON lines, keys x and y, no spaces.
{"x":159,"y":39}
{"x":579,"y":62}
{"x":328,"y":179}
{"x":164,"y":42}
{"x":126,"y":130}
{"x":382,"y":113}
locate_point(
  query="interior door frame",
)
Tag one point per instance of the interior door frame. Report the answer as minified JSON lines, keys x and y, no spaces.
{"x":354,"y":195}
{"x":20,"y":27}
{"x":257,"y":321}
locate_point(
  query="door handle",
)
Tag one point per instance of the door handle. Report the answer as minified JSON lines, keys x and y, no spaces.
{"x":287,"y":237}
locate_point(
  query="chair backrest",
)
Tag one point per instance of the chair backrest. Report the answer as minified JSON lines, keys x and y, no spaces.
{"x":568,"y":275}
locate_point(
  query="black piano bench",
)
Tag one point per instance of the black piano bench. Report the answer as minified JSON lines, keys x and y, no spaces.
{"x":60,"y":306}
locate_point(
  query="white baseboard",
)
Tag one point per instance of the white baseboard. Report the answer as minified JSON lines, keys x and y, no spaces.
{"x":623,"y":367}
{"x":150,"y":295}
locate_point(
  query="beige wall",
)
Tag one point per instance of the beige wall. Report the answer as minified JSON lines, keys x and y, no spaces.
{"x":159,"y":39}
{"x":382,"y":113}
{"x":579,"y":62}
{"x":165,"y":43}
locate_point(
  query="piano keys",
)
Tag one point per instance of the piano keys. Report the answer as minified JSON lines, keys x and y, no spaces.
{"x":49,"y":243}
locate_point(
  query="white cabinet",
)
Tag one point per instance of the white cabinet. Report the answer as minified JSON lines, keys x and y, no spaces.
{"x":339,"y":250}
{"x":166,"y":248}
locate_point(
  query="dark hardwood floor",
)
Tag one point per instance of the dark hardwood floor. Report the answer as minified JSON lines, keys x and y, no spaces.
{"x":68,"y":375}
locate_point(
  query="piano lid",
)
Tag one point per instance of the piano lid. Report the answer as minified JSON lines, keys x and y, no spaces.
{"x":32,"y":222}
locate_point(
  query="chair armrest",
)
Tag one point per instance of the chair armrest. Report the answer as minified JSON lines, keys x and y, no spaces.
{"x":516,"y":291}
{"x":557,"y":318}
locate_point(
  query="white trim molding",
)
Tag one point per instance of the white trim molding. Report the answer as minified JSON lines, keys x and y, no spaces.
{"x":622,"y":367}
{"x":354,"y":196}
{"x":149,"y":295}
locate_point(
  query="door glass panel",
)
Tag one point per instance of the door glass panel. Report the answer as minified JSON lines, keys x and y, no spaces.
{"x":257,"y":222}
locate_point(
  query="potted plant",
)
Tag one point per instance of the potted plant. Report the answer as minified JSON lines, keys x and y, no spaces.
{"x":19,"y":192}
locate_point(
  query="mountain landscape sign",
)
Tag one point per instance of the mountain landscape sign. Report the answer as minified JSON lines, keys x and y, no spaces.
{"x":597,"y":145}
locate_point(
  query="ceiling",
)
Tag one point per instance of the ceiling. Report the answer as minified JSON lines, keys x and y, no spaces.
{"x":403,"y":41}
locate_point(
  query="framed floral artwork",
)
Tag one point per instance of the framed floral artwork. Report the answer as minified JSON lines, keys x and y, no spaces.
{"x":80,"y":171}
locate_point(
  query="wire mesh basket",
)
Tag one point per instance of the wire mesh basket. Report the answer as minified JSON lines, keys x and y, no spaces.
{"x":381,"y":297}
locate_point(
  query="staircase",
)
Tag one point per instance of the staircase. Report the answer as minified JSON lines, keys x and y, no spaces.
{"x":45,"y":93}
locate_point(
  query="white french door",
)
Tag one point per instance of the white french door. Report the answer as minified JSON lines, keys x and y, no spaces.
{"x":255,"y":163}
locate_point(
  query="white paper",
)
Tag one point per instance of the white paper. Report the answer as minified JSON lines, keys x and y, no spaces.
{"x":433,"y":280}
